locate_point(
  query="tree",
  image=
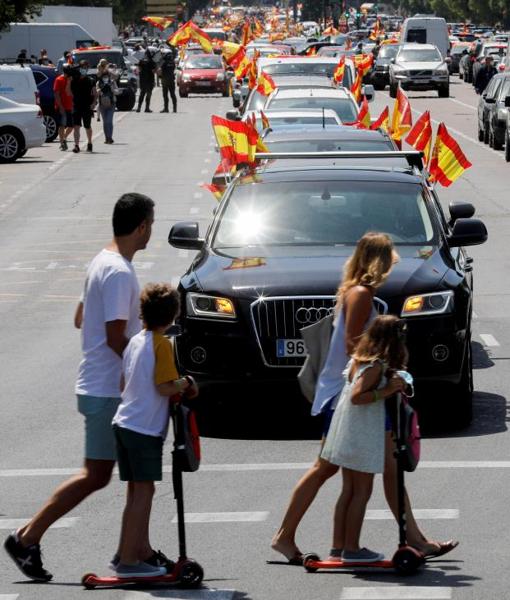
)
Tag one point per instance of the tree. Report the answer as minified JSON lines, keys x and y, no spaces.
{"x":12,"y":11}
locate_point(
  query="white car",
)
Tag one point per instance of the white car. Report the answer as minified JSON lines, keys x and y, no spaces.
{"x":284,"y":119}
{"x":21,"y":127}
{"x":338,"y":99}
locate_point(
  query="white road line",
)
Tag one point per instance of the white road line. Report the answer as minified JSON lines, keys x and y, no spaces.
{"x":403,"y":592}
{"x":225,"y":517}
{"x":464,"y":104}
{"x":198,"y":195}
{"x":474,"y":315}
{"x":204,"y":171}
{"x":207,"y":594}
{"x":63,"y":523}
{"x":489,"y":340}
{"x":194,"y":210}
{"x":9,"y":596}
{"x":419,"y":513}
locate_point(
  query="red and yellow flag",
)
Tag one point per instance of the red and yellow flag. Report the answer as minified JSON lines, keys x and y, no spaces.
{"x":312,"y":51}
{"x":233,"y":54}
{"x":357,"y":86}
{"x":216,"y":190}
{"x":251,"y":71}
{"x":420,"y":136}
{"x":181,"y":37}
{"x":377,"y":31}
{"x":338,"y":74}
{"x":401,"y":120}
{"x":265,"y":84}
{"x":363,"y":63}
{"x":237,"y":141}
{"x":265,"y":120}
{"x":160,"y":22}
{"x":364,"y":120}
{"x":189,"y":31}
{"x":448,"y":162}
{"x":247,"y":34}
{"x":382,"y":121}
{"x":258,"y":28}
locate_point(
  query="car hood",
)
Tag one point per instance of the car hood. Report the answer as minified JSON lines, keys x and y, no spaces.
{"x":420,"y":66}
{"x":308,"y":270}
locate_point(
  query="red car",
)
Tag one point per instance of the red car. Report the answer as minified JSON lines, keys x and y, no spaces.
{"x":203,"y":74}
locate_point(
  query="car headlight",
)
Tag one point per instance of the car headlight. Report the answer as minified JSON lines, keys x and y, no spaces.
{"x":402,"y":73}
{"x":436,"y":303}
{"x":443,"y":70}
{"x":186,"y":77}
{"x":220,"y":77}
{"x":201,"y":305}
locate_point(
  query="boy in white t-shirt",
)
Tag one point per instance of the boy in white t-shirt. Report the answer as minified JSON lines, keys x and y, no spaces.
{"x":141,"y":421}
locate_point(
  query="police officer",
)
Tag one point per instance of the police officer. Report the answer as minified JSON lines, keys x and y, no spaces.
{"x":167,"y":76}
{"x":146,"y":71}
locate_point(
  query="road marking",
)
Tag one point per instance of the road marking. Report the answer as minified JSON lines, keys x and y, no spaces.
{"x":204,"y":171}
{"x":474,"y":315}
{"x":194,"y":210}
{"x":207,"y":160}
{"x":63,"y":523}
{"x":489,"y":340}
{"x":396,"y":593}
{"x":52,"y":266}
{"x":182,"y":594}
{"x":419,"y":513}
{"x":225,"y":517}
{"x":9,"y":596}
{"x":198,"y":195}
{"x":464,"y":104}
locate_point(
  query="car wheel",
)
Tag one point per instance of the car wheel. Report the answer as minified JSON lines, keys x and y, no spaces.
{"x":464,"y":390}
{"x":379,"y":87}
{"x":11,"y":145}
{"x":461,"y":76}
{"x":480,"y":134}
{"x":507,"y":147}
{"x":183,"y":94}
{"x":444,"y":91}
{"x":497,"y":142}
{"x":393,"y":90}
{"x":51,"y":128}
{"x":486,"y":133}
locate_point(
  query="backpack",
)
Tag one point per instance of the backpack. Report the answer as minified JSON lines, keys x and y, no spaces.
{"x":187,"y":438}
{"x":106,"y":98}
{"x":408,"y":432}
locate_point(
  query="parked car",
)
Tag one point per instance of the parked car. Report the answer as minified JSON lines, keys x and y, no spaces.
{"x":17,"y":83}
{"x":419,"y":67}
{"x":492,"y":111}
{"x":380,"y":75}
{"x":203,"y":73}
{"x":44,"y":79}
{"x":21,"y":127}
{"x":270,"y":263}
{"x":456,"y":53}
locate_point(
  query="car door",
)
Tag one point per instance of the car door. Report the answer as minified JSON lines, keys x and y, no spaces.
{"x":487,"y":100}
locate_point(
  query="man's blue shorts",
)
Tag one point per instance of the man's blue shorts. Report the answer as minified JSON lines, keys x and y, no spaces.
{"x":99,"y":438}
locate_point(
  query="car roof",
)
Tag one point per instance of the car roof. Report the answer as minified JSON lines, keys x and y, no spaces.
{"x":312,"y":93}
{"x":302,"y":81}
{"x":342,"y":132}
{"x":328,"y":112}
{"x":293,"y":59}
{"x":418,"y":47}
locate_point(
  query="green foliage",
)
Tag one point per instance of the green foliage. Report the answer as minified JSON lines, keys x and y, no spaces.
{"x":13,"y":11}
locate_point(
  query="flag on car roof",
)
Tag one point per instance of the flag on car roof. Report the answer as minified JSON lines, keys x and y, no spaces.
{"x":364,"y":120}
{"x":258,"y":28}
{"x":448,"y":162}
{"x":216,"y":190}
{"x":356,"y":87}
{"x":237,"y":141}
{"x":402,"y":119}
{"x":420,"y":136}
{"x":364,"y":63}
{"x":338,"y":74}
{"x":233,"y":54}
{"x":265,"y":84}
{"x":160,"y":22}
{"x":382,"y":121}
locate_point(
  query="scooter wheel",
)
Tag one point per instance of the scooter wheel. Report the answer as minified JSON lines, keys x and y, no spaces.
{"x":85,"y":581}
{"x":191,"y":575}
{"x":307,"y":559}
{"x":408,"y":560}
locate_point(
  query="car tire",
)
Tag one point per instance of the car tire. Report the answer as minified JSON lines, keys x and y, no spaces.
{"x":444,"y":91}
{"x":393,"y":90}
{"x":486,"y":133}
{"x":379,"y":87}
{"x":183,"y":94}
{"x":226,"y":93}
{"x":11,"y":145}
{"x":507,"y":147}
{"x":480,"y":135}
{"x":497,"y":142}
{"x":464,"y":390}
{"x":461,"y":76}
{"x":126,"y":102}
{"x":50,"y":122}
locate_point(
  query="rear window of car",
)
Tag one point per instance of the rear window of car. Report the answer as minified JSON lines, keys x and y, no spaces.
{"x":301,"y":120}
{"x":204,"y":62}
{"x":322,"y":145}
{"x":345,"y":108}
{"x":301,"y":213}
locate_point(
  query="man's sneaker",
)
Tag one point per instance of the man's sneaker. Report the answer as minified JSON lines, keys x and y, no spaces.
{"x":114,"y":563}
{"x":76,"y":149}
{"x":158,"y":559}
{"x":63,"y":146}
{"x":364,"y":555}
{"x":148,"y":110}
{"x":142,"y":569}
{"x":89,"y":147}
{"x":28,"y":560}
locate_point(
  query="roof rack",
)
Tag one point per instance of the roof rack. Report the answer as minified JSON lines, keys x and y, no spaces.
{"x":413,"y":157}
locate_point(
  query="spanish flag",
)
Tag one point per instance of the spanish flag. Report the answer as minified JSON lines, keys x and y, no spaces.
{"x":160,"y":22}
{"x":338,"y":74}
{"x":383,"y":121}
{"x":448,"y":162}
{"x":312,"y":51}
{"x":363,"y":63}
{"x":189,"y":31}
{"x":181,"y":37}
{"x":216,"y":190}
{"x":364,"y":121}
{"x":247,"y":34}
{"x":251,"y":71}
{"x":420,"y":136}
{"x":201,"y":37}
{"x":237,"y":141}
{"x":402,"y":119}
{"x":233,"y":54}
{"x":258,"y":28}
{"x":356,"y":87}
{"x":377,"y":31}
{"x":265,"y":84}
{"x":265,"y":121}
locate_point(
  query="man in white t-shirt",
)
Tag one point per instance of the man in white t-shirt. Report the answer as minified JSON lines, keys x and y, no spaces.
{"x":108,"y":315}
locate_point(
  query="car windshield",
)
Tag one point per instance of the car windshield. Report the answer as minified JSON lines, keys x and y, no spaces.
{"x":204,"y":62}
{"x":419,"y":56}
{"x":458,"y":49}
{"x":276,"y":122}
{"x":93,"y":58}
{"x":300,"y":213}
{"x":388,"y":51}
{"x":345,"y":108}
{"x":322,"y":145}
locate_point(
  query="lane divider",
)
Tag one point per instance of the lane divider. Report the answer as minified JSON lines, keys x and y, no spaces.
{"x":63,"y":523}
{"x":396,"y":593}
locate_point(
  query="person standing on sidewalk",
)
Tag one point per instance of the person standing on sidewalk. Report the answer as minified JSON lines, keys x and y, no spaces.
{"x":146,"y":71}
{"x":107,"y":90}
{"x":167,"y":75}
{"x":64,"y":105}
{"x":108,"y":316}
{"x":84,"y":102}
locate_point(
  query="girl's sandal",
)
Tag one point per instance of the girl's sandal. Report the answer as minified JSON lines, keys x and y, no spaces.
{"x":444,"y":548}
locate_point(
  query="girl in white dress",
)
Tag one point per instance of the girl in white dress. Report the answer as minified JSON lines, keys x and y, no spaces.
{"x":356,"y":438}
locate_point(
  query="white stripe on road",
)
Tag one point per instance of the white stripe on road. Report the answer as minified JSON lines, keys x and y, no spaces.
{"x":63,"y":523}
{"x":194,"y":210}
{"x":489,"y":340}
{"x":396,"y":593}
{"x":419,"y":513}
{"x":243,"y":467}
{"x":464,"y":104}
{"x":9,"y":596}
{"x":182,"y":594}
{"x":225,"y":517}
{"x":197,"y":195}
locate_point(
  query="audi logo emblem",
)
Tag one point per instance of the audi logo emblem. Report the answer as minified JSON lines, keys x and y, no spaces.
{"x":308,"y":316}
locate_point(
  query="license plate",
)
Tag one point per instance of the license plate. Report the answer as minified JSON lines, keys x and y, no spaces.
{"x":203,"y":83}
{"x":290,"y":348}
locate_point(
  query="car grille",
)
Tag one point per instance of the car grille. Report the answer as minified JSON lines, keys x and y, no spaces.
{"x":283,"y":318}
{"x":420,"y":73}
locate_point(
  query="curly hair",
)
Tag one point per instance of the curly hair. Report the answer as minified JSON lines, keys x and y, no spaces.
{"x":384,"y":340}
{"x":159,"y":305}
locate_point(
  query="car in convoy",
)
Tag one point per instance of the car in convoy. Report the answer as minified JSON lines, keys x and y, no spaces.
{"x":338,"y":99}
{"x":21,"y":127}
{"x":301,"y":119}
{"x":306,"y":66}
{"x":456,"y":53}
{"x":127,"y":80}
{"x":380,"y":74}
{"x":202,"y":74}
{"x":270,"y":262}
{"x":426,"y":29}
{"x":44,"y":79}
{"x":419,"y":67}
{"x":493,"y":112}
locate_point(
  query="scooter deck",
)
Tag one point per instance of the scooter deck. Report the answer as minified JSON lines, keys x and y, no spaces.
{"x":340,"y":564}
{"x":91,"y":580}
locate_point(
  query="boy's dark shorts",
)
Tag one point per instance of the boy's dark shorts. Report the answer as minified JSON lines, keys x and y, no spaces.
{"x":139,"y":456}
{"x":82,"y":117}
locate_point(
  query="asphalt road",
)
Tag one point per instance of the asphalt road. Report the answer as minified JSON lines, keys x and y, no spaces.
{"x":55,"y":213}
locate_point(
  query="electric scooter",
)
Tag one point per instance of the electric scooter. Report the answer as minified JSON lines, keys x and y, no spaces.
{"x":187,"y":573}
{"x":406,"y":560}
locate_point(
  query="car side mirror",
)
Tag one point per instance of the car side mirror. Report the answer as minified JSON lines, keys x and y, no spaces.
{"x":490,"y":100}
{"x":236,"y":99}
{"x":461,"y":210}
{"x":369,"y":92}
{"x":507,"y":102}
{"x":467,"y":232}
{"x":233,"y":115}
{"x":184,"y":235}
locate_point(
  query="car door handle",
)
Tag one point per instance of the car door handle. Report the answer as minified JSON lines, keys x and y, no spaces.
{"x":469,"y":260}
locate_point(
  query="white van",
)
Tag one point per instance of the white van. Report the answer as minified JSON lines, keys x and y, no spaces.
{"x":426,"y":30}
{"x":18,"y":84}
